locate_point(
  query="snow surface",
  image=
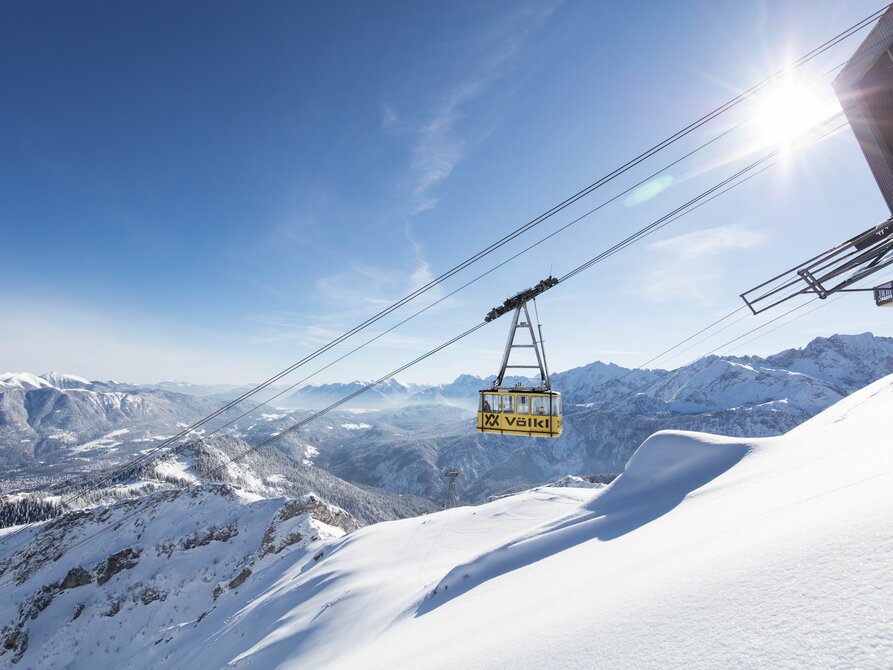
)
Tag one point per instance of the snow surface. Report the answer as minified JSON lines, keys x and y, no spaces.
{"x":107,"y":441}
{"x":61,"y":380}
{"x":355,"y":426}
{"x":179,"y":468}
{"x":706,"y":552}
{"x":187,"y":550}
{"x":23,"y":380}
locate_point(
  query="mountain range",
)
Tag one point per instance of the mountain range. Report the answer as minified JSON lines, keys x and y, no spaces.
{"x":398,"y":440}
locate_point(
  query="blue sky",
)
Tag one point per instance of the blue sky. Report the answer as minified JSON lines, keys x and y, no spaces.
{"x":209,"y":191}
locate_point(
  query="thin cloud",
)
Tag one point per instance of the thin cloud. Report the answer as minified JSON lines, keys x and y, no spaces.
{"x":371,"y":286}
{"x":693,"y":263}
{"x":389,"y":118}
{"x":439,"y":144}
{"x":710,"y":242}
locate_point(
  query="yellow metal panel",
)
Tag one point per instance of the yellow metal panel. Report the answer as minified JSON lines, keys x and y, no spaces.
{"x":519,"y":424}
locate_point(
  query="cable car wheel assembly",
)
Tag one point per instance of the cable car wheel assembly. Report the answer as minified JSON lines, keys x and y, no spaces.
{"x":533,"y":411}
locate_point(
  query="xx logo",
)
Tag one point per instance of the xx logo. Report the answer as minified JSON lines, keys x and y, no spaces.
{"x":491,"y":420}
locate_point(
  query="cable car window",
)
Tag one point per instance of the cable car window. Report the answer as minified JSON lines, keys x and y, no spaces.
{"x":523,"y":404}
{"x":556,"y":405}
{"x":490,"y":402}
{"x":539,"y":405}
{"x":508,"y":403}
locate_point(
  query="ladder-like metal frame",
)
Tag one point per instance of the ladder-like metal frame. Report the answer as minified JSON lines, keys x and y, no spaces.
{"x":536,"y":345}
{"x":830,"y":272}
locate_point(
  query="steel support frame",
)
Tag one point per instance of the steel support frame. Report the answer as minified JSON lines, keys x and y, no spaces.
{"x":516,"y":324}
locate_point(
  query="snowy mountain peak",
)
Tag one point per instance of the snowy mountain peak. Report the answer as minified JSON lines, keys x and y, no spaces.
{"x":851,"y":359}
{"x":23,"y":380}
{"x":63,"y":381}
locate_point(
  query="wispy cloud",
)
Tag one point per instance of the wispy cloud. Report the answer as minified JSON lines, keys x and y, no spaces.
{"x":439,"y":147}
{"x":389,"y":118}
{"x":688,"y":265}
{"x":438,"y":143}
{"x":710,"y":241}
{"x":367,"y":287}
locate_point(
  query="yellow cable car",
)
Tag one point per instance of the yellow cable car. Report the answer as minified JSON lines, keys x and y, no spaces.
{"x":520,"y":412}
{"x":534,"y":411}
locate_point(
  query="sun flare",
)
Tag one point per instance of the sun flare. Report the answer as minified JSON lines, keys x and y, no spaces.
{"x":789,"y":111}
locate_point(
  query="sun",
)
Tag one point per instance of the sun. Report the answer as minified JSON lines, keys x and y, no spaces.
{"x":788,"y":111}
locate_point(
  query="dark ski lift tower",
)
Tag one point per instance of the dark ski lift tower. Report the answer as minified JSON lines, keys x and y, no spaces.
{"x":452,"y":474}
{"x":865,"y":90}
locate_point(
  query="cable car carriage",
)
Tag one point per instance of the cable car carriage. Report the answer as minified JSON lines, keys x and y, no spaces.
{"x":533,"y":411}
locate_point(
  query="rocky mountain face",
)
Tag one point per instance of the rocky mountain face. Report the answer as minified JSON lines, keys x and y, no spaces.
{"x":43,"y":416}
{"x":139,"y":573}
{"x":221,"y":459}
{"x":270,"y":473}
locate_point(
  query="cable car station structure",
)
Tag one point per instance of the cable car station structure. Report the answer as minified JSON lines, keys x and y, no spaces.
{"x":865,"y":90}
{"x":533,"y":411}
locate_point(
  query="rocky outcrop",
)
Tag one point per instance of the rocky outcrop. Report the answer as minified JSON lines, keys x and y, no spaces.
{"x":111,"y":566}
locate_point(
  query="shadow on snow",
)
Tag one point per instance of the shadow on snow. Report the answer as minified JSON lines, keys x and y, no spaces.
{"x":664,"y":470}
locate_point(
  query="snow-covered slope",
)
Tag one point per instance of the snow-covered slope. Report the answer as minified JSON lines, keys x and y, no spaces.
{"x":810,"y":378}
{"x":59,"y":419}
{"x":222,"y":459}
{"x":138,"y":575}
{"x":706,"y":552}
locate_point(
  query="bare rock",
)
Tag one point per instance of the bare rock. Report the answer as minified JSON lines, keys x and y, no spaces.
{"x":239,"y":579}
{"x":111,"y":566}
{"x":151,"y":594}
{"x":75,"y":577}
{"x":208,"y":535}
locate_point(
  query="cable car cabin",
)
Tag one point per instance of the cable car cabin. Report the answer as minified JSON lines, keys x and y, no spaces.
{"x":520,"y":412}
{"x":534,"y":410}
